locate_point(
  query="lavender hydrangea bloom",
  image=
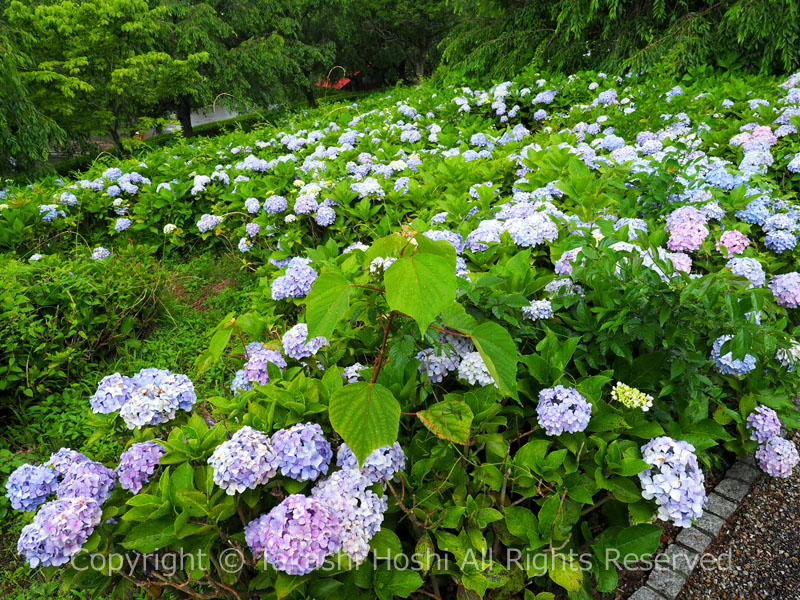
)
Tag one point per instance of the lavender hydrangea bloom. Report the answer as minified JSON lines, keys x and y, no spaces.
{"x":537,"y":310}
{"x":255,"y":369}
{"x":634,"y":225}
{"x":58,"y":531}
{"x":437,"y":366}
{"x":726,"y":364}
{"x":296,"y":282}
{"x":159,"y":394}
{"x":252,"y":205}
{"x":777,"y":457}
{"x":245,"y":461}
{"x":296,"y":536}
{"x":353,"y":373}
{"x":252,"y":229}
{"x":137,"y":464}
{"x":29,"y":486}
{"x":763,"y":424}
{"x":275,"y":204}
{"x":381,"y":464}
{"x":562,"y":409}
{"x":533,"y":230}
{"x":786,"y":289}
{"x":122,"y":224}
{"x":87,"y":479}
{"x":63,"y":459}
{"x":240,"y":383}
{"x":358,"y":510}
{"x":113,"y":391}
{"x":675,"y":481}
{"x":473,"y":369}
{"x":303,"y":452}
{"x":448,"y":236}
{"x":325,"y":216}
{"x":749,"y":268}
{"x":296,"y":343}
{"x":244,"y":245}
{"x":208,"y":222}
{"x":100,"y":253}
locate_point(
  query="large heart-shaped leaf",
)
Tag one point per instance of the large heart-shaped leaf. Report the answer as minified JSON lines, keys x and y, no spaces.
{"x":366,"y":415}
{"x":499,"y":352}
{"x":449,"y":420}
{"x":421,"y":286}
{"x":327,"y":303}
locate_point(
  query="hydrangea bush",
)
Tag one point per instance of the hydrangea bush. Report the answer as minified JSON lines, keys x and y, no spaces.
{"x":518,"y":321}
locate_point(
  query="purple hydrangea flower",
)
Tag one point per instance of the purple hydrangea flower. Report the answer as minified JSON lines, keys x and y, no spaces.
{"x":675,"y":481}
{"x":137,"y":464}
{"x":87,"y":479}
{"x":296,"y":536}
{"x":100,"y":253}
{"x":159,"y":394}
{"x":255,"y":369}
{"x":763,"y":424}
{"x":786,"y":289}
{"x":303,"y":452}
{"x":252,"y":229}
{"x":29,"y":486}
{"x":733,"y":241}
{"x":296,"y":282}
{"x":437,"y":366}
{"x":537,"y":310}
{"x":208,"y":222}
{"x":749,"y":268}
{"x":562,"y":409}
{"x":245,"y":461}
{"x":275,"y":204}
{"x":533,"y":230}
{"x":381,"y":464}
{"x":777,"y":457}
{"x":58,"y":531}
{"x":122,"y":224}
{"x":358,"y":510}
{"x":325,"y":216}
{"x":726,"y":364}
{"x":296,"y":344}
{"x":244,"y":244}
{"x":252,"y":205}
{"x":113,"y":391}
{"x":63,"y":459}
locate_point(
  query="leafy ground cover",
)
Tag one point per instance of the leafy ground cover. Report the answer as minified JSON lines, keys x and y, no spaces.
{"x":497,"y":334}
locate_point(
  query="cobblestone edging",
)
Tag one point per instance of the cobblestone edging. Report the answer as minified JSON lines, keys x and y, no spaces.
{"x":666,"y":580}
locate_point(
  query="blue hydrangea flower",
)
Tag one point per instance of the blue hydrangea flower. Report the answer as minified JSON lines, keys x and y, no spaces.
{"x":208,"y":222}
{"x":296,"y":282}
{"x":252,"y":205}
{"x":381,"y":464}
{"x":100,"y":253}
{"x":252,"y":229}
{"x":68,"y":199}
{"x":358,"y":510}
{"x":562,"y":409}
{"x":137,"y":464}
{"x":244,"y":462}
{"x":296,"y":536}
{"x":296,"y":344}
{"x":763,"y":424}
{"x":777,"y":457}
{"x":29,"y":486}
{"x":275,"y":204}
{"x":244,"y":245}
{"x":240,"y":383}
{"x":158,"y":395}
{"x":437,"y":366}
{"x":122,"y":224}
{"x":538,"y":310}
{"x":726,"y":364}
{"x":87,"y":479}
{"x":780,"y":241}
{"x":448,"y":236}
{"x":58,"y":531}
{"x":113,"y":391}
{"x":303,"y":452}
{"x":64,"y":459}
{"x":749,"y":268}
{"x":533,"y":230}
{"x":325,"y":216}
{"x":353,"y":373}
{"x":675,"y":480}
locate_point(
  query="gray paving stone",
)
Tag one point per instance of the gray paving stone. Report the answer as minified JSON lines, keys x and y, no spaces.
{"x":743,"y":471}
{"x":748,"y":459}
{"x":666,"y":582}
{"x":679,"y":559}
{"x":694,"y":539}
{"x":733,"y":489}
{"x":644,"y":593}
{"x":710,"y":523}
{"x":720,"y":506}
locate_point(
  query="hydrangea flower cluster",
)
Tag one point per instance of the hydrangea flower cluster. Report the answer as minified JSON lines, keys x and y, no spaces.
{"x":156,"y":397}
{"x":87,"y":479}
{"x":733,"y":241}
{"x":208,"y":222}
{"x":763,"y":424}
{"x":631,"y":397}
{"x":352,"y":373}
{"x":29,"y":486}
{"x":439,"y":365}
{"x":786,"y":289}
{"x":302,"y":451}
{"x":113,"y":391}
{"x":777,"y":457}
{"x":358,"y":510}
{"x":255,"y":369}
{"x":748,"y":268}
{"x":675,"y":480}
{"x":296,"y":536}
{"x":58,"y":531}
{"x":381,"y":464}
{"x":137,"y":464}
{"x":562,"y":409}
{"x":538,"y":310}
{"x":62,"y":460}
{"x":100,"y":253}
{"x":296,"y":344}
{"x":245,"y":461}
{"x":296,"y":282}
{"x":687,"y":227}
{"x":474,"y":370}
{"x":726,"y":364}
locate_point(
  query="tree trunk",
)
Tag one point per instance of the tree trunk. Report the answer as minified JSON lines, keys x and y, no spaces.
{"x":419,"y":68}
{"x":117,"y":140}
{"x":185,"y":116}
{"x":312,"y":102}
